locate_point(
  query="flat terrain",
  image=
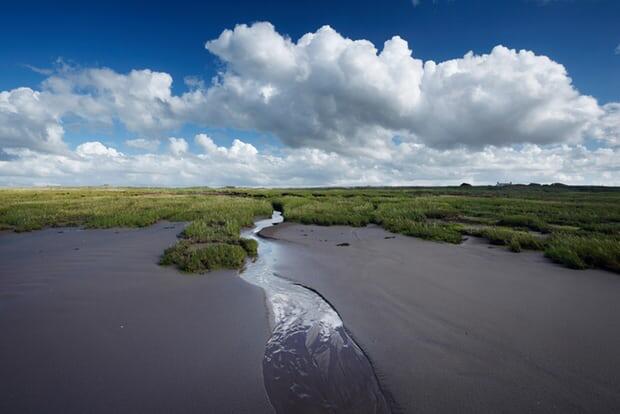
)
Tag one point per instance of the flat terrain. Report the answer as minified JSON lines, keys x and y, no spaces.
{"x":466,"y":328}
{"x":90,"y":323}
{"x":499,"y":322}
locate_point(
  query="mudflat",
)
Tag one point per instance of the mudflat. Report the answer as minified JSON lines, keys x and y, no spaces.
{"x":465,"y":328}
{"x":91,"y":323}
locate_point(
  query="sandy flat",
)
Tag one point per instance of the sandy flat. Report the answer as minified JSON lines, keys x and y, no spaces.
{"x":90,"y":323}
{"x":466,"y":328}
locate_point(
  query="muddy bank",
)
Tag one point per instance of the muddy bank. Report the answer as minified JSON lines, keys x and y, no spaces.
{"x":91,"y":323}
{"x":466,"y":328}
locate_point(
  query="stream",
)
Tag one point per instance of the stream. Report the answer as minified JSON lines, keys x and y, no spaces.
{"x":311,"y":364}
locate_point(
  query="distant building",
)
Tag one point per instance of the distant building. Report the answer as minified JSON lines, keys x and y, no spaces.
{"x":503,"y":184}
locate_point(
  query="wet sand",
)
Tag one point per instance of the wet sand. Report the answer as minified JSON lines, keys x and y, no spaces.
{"x":90,"y":323}
{"x":466,"y":328}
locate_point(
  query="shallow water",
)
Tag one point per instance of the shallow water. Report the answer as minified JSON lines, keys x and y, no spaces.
{"x":311,"y":364}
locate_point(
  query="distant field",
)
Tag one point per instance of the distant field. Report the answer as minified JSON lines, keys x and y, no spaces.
{"x":576,"y":226}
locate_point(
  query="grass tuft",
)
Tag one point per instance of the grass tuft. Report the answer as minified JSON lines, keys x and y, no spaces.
{"x":515,"y":240}
{"x":345,"y":211}
{"x":204,"y":258}
{"x":581,"y":252}
{"x":201,"y":231}
{"x":524,"y":221}
{"x":449,"y":233}
{"x":250,"y":246}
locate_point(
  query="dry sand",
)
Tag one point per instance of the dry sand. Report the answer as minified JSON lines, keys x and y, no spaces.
{"x":466,"y":328}
{"x":90,"y":323}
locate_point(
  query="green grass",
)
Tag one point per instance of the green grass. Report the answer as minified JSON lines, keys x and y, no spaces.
{"x":25,"y":210}
{"x":250,"y":246}
{"x":204,"y":258}
{"x":580,"y":252}
{"x":412,"y":218}
{"x":504,"y":216}
{"x":201,"y":231}
{"x":581,"y":225}
{"x":210,"y":241}
{"x":524,"y":221}
{"x":514,"y":239}
{"x":423,"y":230}
{"x":346,"y":211}
{"x":209,"y":246}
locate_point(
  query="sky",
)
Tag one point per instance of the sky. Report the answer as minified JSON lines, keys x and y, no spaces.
{"x":310,"y":93}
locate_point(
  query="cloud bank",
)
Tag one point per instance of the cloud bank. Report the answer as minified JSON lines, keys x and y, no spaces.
{"x":345,"y":112}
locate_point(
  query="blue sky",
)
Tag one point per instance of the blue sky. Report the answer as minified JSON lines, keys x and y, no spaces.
{"x":169,"y":38}
{"x":580,"y":34}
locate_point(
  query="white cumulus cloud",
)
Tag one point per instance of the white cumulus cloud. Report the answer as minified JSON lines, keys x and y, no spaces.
{"x":96,"y":149}
{"x":178,"y":146}
{"x":335,"y":93}
{"x":346,"y":111}
{"x":27,"y":121}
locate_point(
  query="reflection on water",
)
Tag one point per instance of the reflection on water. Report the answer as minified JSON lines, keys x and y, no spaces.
{"x":311,"y":364}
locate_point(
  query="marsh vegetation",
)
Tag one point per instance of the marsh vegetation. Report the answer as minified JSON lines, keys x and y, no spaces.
{"x":211,"y":241}
{"x":578,"y":227}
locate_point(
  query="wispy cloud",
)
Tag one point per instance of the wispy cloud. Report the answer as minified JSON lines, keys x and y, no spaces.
{"x":41,"y":71}
{"x":617,"y":51}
